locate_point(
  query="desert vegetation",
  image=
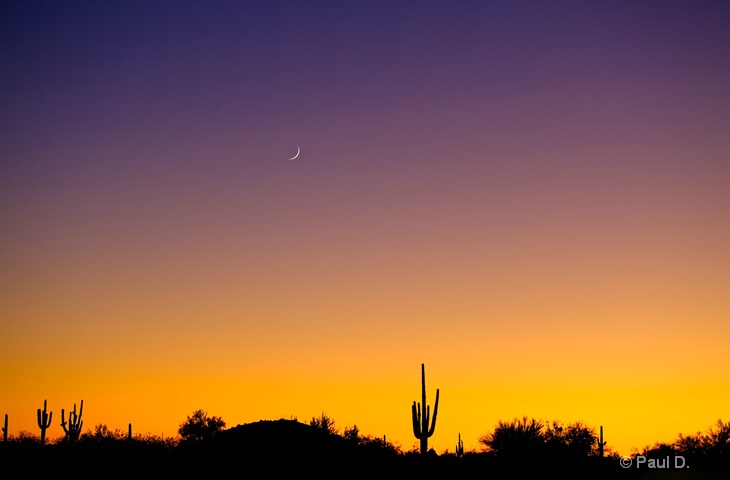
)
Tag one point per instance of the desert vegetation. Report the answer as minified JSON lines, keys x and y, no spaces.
{"x":203,"y":445}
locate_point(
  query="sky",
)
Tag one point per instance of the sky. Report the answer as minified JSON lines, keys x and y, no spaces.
{"x":530,"y":198}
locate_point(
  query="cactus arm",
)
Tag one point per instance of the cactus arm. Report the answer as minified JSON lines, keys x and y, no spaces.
{"x":78,"y":423}
{"x":426,"y":409}
{"x":416,"y":420}
{"x":435,"y":412}
{"x":63,"y":421}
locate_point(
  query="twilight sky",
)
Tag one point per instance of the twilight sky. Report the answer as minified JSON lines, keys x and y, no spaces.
{"x":532,"y":198}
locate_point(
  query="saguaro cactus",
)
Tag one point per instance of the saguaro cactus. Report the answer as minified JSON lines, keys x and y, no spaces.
{"x":601,"y":443}
{"x":74,"y":423}
{"x":44,"y":421}
{"x":421,"y":415}
{"x":5,"y":429}
{"x":129,"y":432}
{"x":459,"y":447}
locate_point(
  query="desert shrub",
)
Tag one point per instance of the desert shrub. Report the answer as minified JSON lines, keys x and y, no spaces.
{"x":24,"y":436}
{"x":516,"y":438}
{"x":352,"y":434}
{"x":574,"y":439}
{"x":712,"y":448}
{"x":200,"y":426}
{"x":324,"y":423}
{"x":102,"y":434}
{"x":718,"y":439}
{"x":525,"y":437}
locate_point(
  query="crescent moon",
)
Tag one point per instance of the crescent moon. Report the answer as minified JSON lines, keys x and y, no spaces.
{"x":298,"y":152}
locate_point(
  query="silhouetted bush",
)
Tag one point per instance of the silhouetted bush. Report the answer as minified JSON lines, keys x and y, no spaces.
{"x":574,"y":439}
{"x":27,"y":437}
{"x":517,"y":438}
{"x":711,"y":449}
{"x":368,"y":442}
{"x":717,"y":440}
{"x":533,"y":437}
{"x":530,"y":446}
{"x":324,"y":423}
{"x":102,"y":434}
{"x":352,"y":435}
{"x":200,"y":426}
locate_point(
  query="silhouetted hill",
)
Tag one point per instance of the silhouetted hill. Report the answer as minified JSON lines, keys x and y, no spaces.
{"x":284,"y":432}
{"x":288,"y":446}
{"x":288,"y":438}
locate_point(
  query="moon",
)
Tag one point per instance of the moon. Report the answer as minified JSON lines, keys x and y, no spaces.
{"x":298,"y":152}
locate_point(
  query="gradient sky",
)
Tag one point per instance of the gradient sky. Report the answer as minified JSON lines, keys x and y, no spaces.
{"x":531,"y":198}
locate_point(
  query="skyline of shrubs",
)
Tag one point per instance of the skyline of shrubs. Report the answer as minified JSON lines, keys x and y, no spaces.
{"x":507,"y":438}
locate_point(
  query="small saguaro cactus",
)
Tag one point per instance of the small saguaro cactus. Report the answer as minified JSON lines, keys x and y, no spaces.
{"x":601,"y":443}
{"x":421,"y":415}
{"x":459,"y":447}
{"x":5,"y":429}
{"x":129,"y":432}
{"x":74,"y":423}
{"x":44,"y":421}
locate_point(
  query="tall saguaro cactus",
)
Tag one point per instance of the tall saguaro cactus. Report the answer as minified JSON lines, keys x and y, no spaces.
{"x":44,"y":421}
{"x":5,"y":429}
{"x":601,"y":443}
{"x":74,"y":423}
{"x":421,"y":415}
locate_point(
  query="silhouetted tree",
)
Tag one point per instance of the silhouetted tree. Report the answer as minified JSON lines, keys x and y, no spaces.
{"x":24,"y":436}
{"x":574,"y":439}
{"x":691,"y":445}
{"x":659,"y":450}
{"x":199,"y":426}
{"x":515,"y":438}
{"x":523,"y":437}
{"x":324,"y":423}
{"x":352,"y":434}
{"x":718,"y":439}
{"x":710,"y":450}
